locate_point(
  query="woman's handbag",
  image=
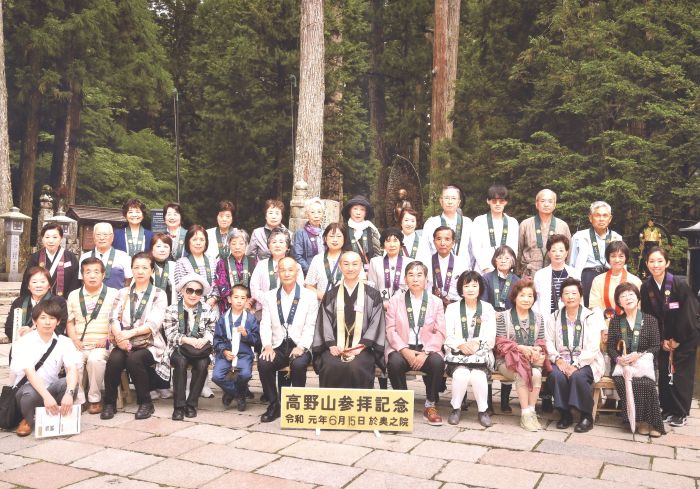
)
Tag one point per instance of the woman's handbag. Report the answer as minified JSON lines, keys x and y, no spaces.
{"x":189,"y":351}
{"x":141,"y":341}
{"x":10,"y":414}
{"x":483,"y":358}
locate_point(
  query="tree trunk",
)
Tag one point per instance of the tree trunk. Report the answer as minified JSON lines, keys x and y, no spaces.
{"x":309,"y":142}
{"x":452,"y":54}
{"x":74,"y":108}
{"x":377,"y":108}
{"x":5,"y":183}
{"x":64,"y":169}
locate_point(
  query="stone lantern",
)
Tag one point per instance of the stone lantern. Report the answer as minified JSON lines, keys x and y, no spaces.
{"x":70,"y":231}
{"x":14,"y":227}
{"x":693,"y":271}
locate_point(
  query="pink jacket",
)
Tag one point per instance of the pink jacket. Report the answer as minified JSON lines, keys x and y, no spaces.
{"x":432,"y":334}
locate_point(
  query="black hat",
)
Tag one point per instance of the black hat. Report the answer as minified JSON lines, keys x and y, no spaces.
{"x":358,"y":200}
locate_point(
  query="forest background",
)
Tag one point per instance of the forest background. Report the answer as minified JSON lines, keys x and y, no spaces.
{"x":596,"y":100}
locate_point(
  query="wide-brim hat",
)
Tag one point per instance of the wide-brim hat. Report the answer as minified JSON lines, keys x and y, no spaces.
{"x":194,"y":277}
{"x":358,"y":200}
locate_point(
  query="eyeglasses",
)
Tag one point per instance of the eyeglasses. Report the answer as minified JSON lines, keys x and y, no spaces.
{"x":190,"y":291}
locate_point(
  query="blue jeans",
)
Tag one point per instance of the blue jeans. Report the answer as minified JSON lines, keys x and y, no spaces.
{"x":240,"y":386}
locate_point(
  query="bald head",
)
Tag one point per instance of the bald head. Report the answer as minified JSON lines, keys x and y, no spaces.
{"x":350,"y":266}
{"x":546,"y":202}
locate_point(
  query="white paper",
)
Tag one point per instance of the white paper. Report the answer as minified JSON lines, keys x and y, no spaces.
{"x":47,"y":426}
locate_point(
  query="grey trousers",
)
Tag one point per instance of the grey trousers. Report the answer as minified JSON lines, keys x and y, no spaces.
{"x":28,"y":398}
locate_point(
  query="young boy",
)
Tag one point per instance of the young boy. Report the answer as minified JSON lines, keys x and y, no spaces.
{"x":237,"y":332}
{"x":42,"y":386}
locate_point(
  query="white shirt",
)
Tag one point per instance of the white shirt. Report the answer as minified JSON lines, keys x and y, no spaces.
{"x":453,"y":325}
{"x":30,"y":348}
{"x":444,"y":263}
{"x":426,"y":248}
{"x":416,"y":304}
{"x":582,"y":254}
{"x":481,"y":240}
{"x":301,"y":331}
{"x":260,"y":281}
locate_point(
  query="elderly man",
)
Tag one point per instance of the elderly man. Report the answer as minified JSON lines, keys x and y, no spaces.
{"x":534,"y":232}
{"x":451,"y":217}
{"x":286,"y":331}
{"x":89,"y":310}
{"x":350,"y":332}
{"x":117,"y":263}
{"x":588,"y":246}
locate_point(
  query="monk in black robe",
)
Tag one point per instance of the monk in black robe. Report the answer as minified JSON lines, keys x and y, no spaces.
{"x":350,"y":331}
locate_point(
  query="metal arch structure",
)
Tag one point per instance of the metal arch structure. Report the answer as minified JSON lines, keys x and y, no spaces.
{"x":402,"y":175}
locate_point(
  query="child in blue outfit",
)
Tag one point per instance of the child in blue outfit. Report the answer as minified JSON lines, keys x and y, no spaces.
{"x":237,"y":332}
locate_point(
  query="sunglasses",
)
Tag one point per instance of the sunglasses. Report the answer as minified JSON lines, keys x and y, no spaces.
{"x":190,"y":291}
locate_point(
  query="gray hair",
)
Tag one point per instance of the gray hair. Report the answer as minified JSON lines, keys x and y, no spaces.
{"x":598,"y":204}
{"x":238,"y":233}
{"x":276,"y":232}
{"x":312,"y":202}
{"x":544,"y":190}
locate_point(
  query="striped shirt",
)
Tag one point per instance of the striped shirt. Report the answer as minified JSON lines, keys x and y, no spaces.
{"x":98,"y":329}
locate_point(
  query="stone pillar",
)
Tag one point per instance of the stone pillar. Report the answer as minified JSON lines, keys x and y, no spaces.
{"x":296,"y":206}
{"x":331,"y":212}
{"x":14,"y":226}
{"x":45,"y":211}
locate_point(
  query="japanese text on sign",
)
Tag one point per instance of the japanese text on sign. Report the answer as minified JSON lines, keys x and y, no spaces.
{"x":347,"y":409}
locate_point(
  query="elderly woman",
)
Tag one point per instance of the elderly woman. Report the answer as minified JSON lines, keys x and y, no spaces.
{"x":324,"y":271}
{"x":61,"y":263}
{"x":363,"y":236}
{"x":408,"y":220}
{"x":138,"y":343}
{"x":172,"y":215}
{"x":548,"y":280}
{"x":573,"y":346}
{"x":387,"y":273}
{"x":258,"y":248}
{"x":218,"y":235}
{"x":19,"y":319}
{"x":236,"y":268}
{"x":672,"y":302}
{"x":499,"y":281}
{"x":307,"y":241}
{"x":640,"y":333}
{"x":189,"y":329}
{"x":134,"y":238}
{"x":265,"y":275}
{"x":471,"y":334}
{"x":617,"y":254}
{"x":520,"y":350}
{"x":196,"y":260}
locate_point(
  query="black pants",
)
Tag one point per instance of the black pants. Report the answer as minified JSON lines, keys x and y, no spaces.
{"x":434,"y":368}
{"x":676,"y":399}
{"x":137,"y":363}
{"x":179,"y":363}
{"x":575,"y":391}
{"x":297,"y":367}
{"x":587,"y":276}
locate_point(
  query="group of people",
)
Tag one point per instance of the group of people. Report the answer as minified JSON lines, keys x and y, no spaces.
{"x":462,"y":299}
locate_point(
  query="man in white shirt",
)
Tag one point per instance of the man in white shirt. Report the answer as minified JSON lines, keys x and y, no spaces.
{"x":117,"y":263}
{"x":444,"y":267}
{"x":286,"y":332}
{"x":42,"y":386}
{"x":588,"y":246}
{"x":493,"y":229}
{"x":451,"y":216}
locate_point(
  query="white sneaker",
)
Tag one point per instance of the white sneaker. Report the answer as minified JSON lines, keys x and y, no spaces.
{"x":207,"y":393}
{"x":165,"y":393}
{"x":155,"y":395}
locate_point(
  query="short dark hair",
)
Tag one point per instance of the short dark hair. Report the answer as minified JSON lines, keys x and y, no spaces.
{"x":444,"y":228}
{"x":416,"y":264}
{"x":470,"y":276}
{"x":227,"y":205}
{"x":407,"y":210}
{"x":657,"y":249}
{"x":336,"y":226}
{"x":34,"y":270}
{"x":174,"y":206}
{"x":277,"y":204}
{"x":50,"y":226}
{"x":568,"y":282}
{"x":164,"y":237}
{"x":241,"y":287}
{"x":387,"y":233}
{"x":497,"y":192}
{"x":616,"y":247}
{"x":557,"y":238}
{"x":523,"y":283}
{"x":51,"y":306}
{"x":91,"y":260}
{"x":503,"y":250}
{"x":142,"y":255}
{"x":624,"y":287}
{"x":134,"y":203}
{"x":194,"y":229}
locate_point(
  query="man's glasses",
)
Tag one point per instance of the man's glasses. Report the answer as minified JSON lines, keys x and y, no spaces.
{"x":190,"y":291}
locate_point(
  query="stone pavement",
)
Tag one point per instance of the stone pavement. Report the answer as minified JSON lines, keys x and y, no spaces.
{"x":220,"y":449}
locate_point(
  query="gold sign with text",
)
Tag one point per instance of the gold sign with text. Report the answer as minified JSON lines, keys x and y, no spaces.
{"x":347,"y":409}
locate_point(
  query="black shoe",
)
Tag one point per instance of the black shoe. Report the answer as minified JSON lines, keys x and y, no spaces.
{"x":584,"y":426}
{"x":144,"y":411}
{"x":485,"y":420}
{"x":383,"y":383}
{"x":108,"y":411}
{"x":249,"y":394}
{"x":190,"y":411}
{"x":178,"y":414}
{"x":241,"y":403}
{"x":226,"y":399}
{"x":547,"y":406}
{"x":565,"y":421}
{"x":272,"y":413}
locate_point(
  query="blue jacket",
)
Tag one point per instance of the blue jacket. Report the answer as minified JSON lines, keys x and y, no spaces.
{"x":245,"y":349}
{"x":120,"y":240}
{"x":302,"y":249}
